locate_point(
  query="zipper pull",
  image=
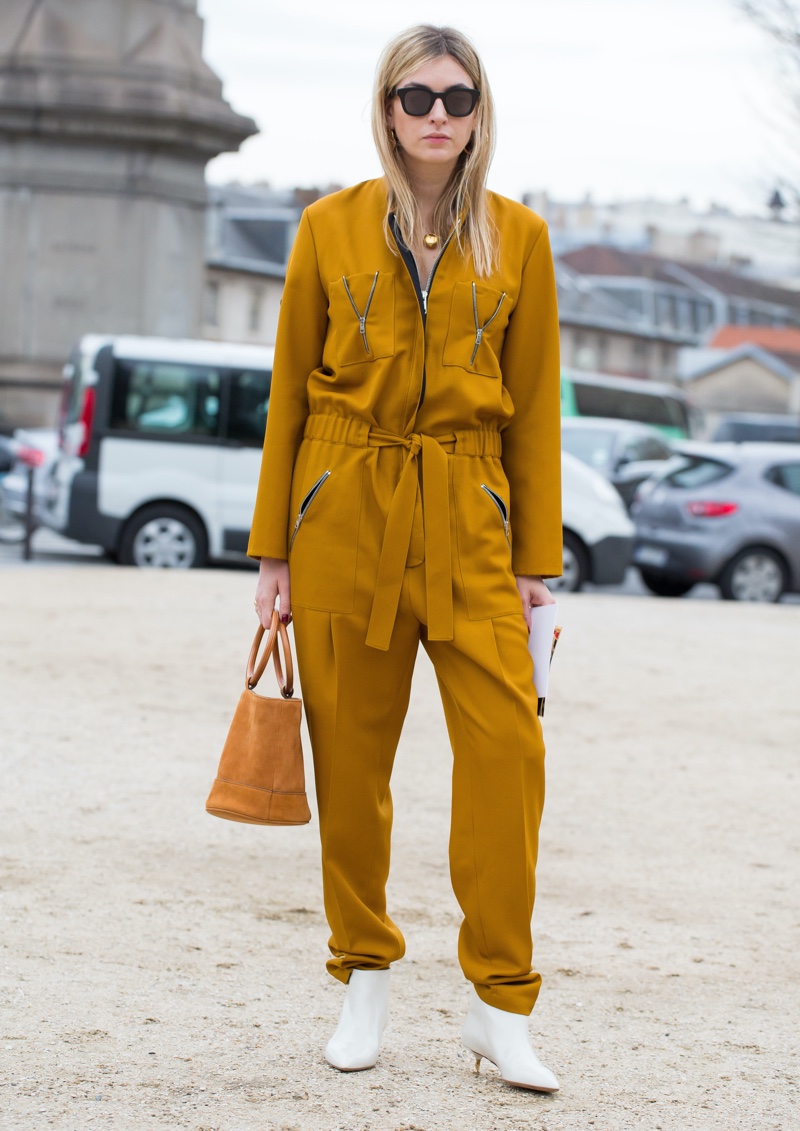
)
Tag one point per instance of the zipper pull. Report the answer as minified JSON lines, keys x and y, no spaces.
{"x":362,"y":325}
{"x":425,"y":301}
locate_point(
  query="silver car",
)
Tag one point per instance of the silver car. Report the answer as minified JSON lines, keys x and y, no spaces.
{"x":724,"y":513}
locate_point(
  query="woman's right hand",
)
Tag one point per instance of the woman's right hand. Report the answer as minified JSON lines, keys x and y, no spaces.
{"x":273,"y":581}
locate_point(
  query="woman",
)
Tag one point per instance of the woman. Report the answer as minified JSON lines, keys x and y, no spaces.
{"x":414,"y":414}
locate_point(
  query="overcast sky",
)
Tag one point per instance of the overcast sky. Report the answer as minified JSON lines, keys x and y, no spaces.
{"x":622,"y":99}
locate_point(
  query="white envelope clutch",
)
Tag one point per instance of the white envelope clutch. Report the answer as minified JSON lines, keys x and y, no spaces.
{"x":541,"y":643}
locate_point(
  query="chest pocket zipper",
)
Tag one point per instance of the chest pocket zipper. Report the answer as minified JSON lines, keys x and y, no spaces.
{"x":501,"y":506}
{"x":479,"y":337}
{"x":308,"y":498}
{"x":362,"y":318}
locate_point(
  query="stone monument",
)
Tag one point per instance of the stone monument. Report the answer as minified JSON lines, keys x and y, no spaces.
{"x":108,"y":116}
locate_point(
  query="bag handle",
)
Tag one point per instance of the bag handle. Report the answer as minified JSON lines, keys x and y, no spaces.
{"x":277,"y":631}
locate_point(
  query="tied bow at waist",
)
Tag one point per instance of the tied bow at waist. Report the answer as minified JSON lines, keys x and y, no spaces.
{"x":432,"y":451}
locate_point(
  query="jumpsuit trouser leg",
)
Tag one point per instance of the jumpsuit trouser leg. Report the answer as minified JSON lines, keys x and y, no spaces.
{"x":356,"y":699}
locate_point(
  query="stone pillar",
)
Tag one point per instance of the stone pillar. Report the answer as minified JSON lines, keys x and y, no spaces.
{"x":108,"y":116}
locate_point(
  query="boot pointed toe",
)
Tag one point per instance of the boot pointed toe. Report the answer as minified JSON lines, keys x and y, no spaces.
{"x":356,"y":1044}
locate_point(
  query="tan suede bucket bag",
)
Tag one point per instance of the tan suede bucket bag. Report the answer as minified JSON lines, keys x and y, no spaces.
{"x":261,"y":777}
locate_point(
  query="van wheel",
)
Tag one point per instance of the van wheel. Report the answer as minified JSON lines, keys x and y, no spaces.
{"x":164,"y":536}
{"x":756,"y":574}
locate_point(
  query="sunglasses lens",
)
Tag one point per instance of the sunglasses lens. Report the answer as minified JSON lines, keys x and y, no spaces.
{"x":459,"y":103}
{"x":417,"y":102}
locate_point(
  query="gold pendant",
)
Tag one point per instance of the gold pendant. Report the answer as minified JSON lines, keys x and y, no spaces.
{"x":431,"y":240}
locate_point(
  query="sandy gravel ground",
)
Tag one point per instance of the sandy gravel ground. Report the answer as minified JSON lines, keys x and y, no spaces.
{"x":162,"y":969}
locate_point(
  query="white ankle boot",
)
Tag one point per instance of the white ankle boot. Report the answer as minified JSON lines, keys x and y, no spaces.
{"x":357,"y":1041}
{"x":502,"y":1038}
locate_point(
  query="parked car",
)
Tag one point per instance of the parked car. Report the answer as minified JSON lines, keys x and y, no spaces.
{"x":768,"y":427}
{"x":598,"y":535}
{"x":37,"y":448}
{"x":628,"y":398}
{"x":160,"y":448}
{"x":625,"y":452}
{"x":724,"y":513}
{"x":18,"y":456}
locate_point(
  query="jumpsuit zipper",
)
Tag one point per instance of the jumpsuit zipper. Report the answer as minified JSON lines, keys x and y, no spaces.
{"x":422,"y":295}
{"x":308,"y":498}
{"x":501,"y":506}
{"x":362,"y":318}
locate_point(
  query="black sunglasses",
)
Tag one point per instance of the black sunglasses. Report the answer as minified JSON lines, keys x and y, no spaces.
{"x":417,"y":101}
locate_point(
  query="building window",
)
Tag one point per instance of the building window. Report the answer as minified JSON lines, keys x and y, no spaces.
{"x":255,"y":310}
{"x":602,"y":351}
{"x":211,"y":314}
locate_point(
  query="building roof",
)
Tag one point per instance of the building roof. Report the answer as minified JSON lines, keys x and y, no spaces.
{"x":603,"y":260}
{"x":581,"y":304}
{"x":695,"y":363}
{"x":776,"y":339}
{"x":782,"y":342}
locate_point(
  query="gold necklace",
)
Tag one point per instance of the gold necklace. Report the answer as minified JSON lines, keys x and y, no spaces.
{"x":431,"y":240}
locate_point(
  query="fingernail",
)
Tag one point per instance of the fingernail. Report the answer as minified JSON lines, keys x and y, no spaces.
{"x":285,"y":618}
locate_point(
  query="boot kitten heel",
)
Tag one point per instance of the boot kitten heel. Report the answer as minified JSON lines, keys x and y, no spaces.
{"x":502,"y":1039}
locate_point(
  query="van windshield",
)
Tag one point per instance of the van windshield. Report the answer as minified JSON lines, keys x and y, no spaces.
{"x":71,"y":400}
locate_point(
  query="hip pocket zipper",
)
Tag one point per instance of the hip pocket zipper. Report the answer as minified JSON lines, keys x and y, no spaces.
{"x":501,"y":506}
{"x":308,"y":498}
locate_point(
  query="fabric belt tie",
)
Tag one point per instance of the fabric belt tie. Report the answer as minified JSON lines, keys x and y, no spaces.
{"x":397,"y":537}
{"x":400,"y":519}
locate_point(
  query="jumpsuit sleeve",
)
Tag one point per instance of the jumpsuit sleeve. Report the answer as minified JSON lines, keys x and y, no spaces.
{"x":532,"y":440}
{"x":302,"y":327}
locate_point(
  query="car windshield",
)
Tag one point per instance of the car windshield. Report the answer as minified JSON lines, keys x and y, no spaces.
{"x":589,"y":445}
{"x":741,"y":430}
{"x":695,"y":471}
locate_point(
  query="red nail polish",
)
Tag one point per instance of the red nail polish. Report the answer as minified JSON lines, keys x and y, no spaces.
{"x":285,"y":618}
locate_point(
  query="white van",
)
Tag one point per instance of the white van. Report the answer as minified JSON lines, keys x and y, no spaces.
{"x":598,"y":532}
{"x":159,"y":448}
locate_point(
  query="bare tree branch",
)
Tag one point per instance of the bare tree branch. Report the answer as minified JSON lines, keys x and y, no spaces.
{"x":780,"y":21}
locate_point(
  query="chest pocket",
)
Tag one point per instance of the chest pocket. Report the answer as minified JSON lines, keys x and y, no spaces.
{"x":361,"y":313}
{"x":475,"y":334}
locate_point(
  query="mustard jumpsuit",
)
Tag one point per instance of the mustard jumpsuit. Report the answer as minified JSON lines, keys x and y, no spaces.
{"x":410,"y":426}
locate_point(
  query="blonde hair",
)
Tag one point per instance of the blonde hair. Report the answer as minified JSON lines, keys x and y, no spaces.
{"x":465,"y":195}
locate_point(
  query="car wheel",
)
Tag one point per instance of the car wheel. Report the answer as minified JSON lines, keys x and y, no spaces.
{"x":665,"y":586}
{"x":575,"y":566}
{"x":164,"y":536}
{"x":756,"y":574}
{"x":12,"y":531}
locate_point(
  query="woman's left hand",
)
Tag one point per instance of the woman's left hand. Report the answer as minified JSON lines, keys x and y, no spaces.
{"x":532,"y":591}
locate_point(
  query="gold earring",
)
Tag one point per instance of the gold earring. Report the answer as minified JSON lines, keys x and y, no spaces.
{"x":470,"y":146}
{"x":392,"y":139}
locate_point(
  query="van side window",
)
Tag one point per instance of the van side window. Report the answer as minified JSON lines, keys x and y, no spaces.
{"x":247,"y":408}
{"x":162,"y":399}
